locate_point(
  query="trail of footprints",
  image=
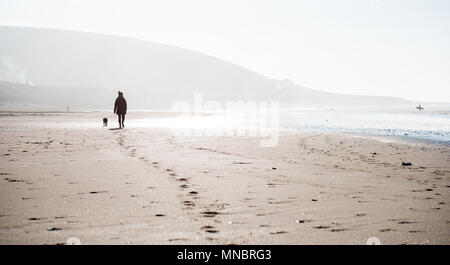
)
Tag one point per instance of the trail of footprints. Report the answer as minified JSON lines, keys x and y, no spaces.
{"x":187,"y":197}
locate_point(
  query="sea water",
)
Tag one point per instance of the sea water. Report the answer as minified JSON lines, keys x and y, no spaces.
{"x":431,"y":124}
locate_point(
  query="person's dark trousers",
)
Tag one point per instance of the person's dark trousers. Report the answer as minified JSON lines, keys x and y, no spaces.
{"x":121,"y":120}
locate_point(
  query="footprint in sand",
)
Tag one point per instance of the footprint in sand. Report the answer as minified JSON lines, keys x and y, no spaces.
{"x":188,"y":203}
{"x":210,"y":213}
{"x":96,"y":192}
{"x":182,"y":179}
{"x":209,"y":229}
{"x":386,"y":230}
{"x":321,"y":227}
{"x":278,"y":233}
{"x":155,"y":165}
{"x":13,"y":180}
{"x":405,"y":222}
{"x":54,"y":229}
{"x":302,"y":221}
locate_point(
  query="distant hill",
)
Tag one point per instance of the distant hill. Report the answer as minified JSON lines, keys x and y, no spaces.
{"x":56,"y":68}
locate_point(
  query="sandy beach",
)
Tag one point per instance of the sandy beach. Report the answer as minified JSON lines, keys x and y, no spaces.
{"x":143,"y":185}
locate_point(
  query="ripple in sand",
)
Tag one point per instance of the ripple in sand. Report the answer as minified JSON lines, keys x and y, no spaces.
{"x":339,"y":230}
{"x":177,"y":239}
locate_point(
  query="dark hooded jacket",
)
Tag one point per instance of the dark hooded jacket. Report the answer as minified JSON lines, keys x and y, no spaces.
{"x":120,"y":106}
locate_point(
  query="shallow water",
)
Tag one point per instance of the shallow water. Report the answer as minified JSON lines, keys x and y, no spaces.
{"x":429,"y":125}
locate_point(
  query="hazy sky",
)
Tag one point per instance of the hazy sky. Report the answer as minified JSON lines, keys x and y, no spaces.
{"x":376,"y":47}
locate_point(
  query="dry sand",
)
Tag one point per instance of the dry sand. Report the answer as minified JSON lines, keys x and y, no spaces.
{"x":143,"y":185}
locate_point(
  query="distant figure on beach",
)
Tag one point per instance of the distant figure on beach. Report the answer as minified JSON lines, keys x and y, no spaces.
{"x":120,"y":108}
{"x":419,"y":107}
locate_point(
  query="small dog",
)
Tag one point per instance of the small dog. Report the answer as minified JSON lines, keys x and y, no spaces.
{"x":105,"y":122}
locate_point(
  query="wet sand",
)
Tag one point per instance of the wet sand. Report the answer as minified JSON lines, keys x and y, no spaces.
{"x":143,"y":185}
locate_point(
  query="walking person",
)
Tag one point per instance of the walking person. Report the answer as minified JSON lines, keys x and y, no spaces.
{"x":120,"y":108}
